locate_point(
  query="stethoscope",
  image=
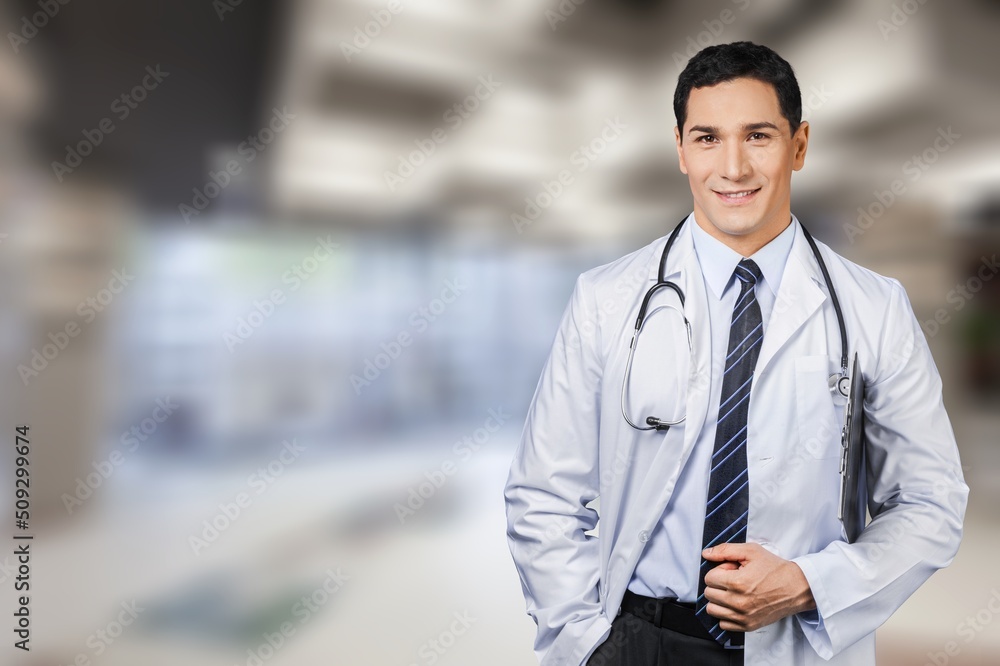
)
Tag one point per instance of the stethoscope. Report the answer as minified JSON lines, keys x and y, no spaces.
{"x":837,"y":381}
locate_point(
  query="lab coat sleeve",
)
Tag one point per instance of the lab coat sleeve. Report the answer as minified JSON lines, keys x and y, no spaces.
{"x":916,"y":495}
{"x":553,"y":476}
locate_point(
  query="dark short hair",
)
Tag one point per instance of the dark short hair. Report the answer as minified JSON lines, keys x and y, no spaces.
{"x":738,"y":60}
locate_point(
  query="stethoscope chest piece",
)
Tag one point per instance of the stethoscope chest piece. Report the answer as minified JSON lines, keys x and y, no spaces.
{"x":842,"y":384}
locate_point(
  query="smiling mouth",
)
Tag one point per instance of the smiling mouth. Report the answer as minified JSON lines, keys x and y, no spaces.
{"x":738,"y":196}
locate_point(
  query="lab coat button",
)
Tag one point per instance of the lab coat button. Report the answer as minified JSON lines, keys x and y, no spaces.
{"x":644,"y":536}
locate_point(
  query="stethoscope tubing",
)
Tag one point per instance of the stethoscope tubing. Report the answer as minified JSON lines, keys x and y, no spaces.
{"x":842,"y":383}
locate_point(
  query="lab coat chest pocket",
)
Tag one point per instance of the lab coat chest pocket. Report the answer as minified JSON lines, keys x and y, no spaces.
{"x":661,"y":366}
{"x":819,"y":410}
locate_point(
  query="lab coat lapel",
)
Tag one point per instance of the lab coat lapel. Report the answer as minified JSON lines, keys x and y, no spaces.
{"x":700,"y":375}
{"x":798,"y":297}
{"x":677,"y":443}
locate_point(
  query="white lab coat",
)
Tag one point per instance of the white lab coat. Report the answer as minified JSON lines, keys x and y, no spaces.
{"x":576,"y":447}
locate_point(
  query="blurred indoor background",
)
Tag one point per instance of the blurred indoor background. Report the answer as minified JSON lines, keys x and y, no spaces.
{"x":278,"y":280}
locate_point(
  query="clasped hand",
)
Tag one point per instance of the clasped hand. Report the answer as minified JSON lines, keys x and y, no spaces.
{"x":753,"y":587}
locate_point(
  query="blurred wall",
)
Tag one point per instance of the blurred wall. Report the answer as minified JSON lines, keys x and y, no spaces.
{"x":269,"y":268}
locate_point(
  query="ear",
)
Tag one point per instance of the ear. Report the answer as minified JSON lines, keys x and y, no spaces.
{"x":800,"y":142}
{"x":680,"y":150}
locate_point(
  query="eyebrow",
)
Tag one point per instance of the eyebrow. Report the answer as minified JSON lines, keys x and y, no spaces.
{"x":750,"y":127}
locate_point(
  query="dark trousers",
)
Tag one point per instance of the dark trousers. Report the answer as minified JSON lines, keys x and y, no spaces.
{"x":636,"y":642}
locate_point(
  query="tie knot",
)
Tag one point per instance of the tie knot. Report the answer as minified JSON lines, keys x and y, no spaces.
{"x":748,"y":271}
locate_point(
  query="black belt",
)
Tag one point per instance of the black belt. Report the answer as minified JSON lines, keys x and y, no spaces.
{"x":667,"y":613}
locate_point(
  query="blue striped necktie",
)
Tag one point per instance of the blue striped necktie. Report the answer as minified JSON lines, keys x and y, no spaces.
{"x":728,"y":486}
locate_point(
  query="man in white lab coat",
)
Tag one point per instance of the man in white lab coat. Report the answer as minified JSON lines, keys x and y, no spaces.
{"x":719,"y":539}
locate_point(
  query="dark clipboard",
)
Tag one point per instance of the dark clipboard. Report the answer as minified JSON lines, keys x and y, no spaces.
{"x":853,"y":464}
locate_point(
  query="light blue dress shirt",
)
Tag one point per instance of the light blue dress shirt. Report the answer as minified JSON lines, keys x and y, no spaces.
{"x":669,"y":565}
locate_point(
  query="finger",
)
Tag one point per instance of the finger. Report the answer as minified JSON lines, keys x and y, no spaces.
{"x":731,"y":625}
{"x":724,"y":614}
{"x":729,"y":619}
{"x":737,"y":552}
{"x":721,"y":576}
{"x":722,"y":598}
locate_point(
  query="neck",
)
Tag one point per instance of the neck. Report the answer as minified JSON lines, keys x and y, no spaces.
{"x":745,"y":245}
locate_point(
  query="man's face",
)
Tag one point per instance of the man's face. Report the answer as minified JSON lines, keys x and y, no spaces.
{"x":739,"y":153}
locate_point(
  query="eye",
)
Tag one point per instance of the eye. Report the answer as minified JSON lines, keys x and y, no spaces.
{"x":705,"y":138}
{"x":759,"y":136}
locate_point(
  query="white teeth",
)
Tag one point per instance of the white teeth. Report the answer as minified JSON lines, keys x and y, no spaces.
{"x":738,"y":195}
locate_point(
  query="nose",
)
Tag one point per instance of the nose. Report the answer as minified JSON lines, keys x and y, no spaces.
{"x":735,"y":164}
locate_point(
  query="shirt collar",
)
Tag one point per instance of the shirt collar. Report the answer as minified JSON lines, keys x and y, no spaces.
{"x":718,"y":261}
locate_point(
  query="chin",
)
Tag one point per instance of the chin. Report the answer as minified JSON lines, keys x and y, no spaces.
{"x":734,"y":225}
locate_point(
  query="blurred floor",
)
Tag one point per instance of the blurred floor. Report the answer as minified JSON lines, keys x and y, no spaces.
{"x":407,"y":582}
